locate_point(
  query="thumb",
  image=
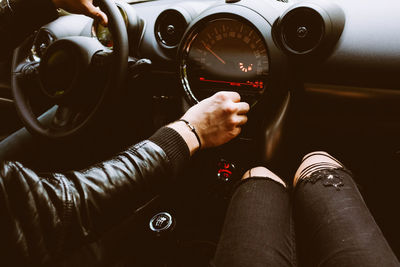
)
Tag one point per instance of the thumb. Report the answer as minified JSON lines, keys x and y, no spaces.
{"x":96,"y":13}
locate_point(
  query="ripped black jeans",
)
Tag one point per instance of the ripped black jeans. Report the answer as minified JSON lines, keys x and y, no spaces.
{"x":323,"y":222}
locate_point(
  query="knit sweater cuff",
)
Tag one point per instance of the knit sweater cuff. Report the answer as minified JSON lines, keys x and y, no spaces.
{"x":174,"y":146}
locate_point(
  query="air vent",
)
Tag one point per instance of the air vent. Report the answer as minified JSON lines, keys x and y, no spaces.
{"x":302,"y":30}
{"x":308,"y":27}
{"x":169,"y":28}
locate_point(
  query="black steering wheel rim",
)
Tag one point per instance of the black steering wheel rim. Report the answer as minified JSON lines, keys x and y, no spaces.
{"x":116,"y":76}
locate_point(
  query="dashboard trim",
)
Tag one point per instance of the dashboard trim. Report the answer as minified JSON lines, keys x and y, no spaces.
{"x":351,"y":92}
{"x":6,"y":101}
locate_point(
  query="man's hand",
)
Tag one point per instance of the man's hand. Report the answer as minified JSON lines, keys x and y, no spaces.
{"x":217,"y":120}
{"x":84,"y":7}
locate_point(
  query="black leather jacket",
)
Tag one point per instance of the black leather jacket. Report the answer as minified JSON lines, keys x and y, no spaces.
{"x":46,"y":217}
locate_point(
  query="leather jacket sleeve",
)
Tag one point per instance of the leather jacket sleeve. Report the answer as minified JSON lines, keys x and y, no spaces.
{"x":43,"y":216}
{"x":19,"y":18}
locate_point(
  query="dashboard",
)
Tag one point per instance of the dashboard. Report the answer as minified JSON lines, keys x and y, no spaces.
{"x":253,"y":46}
{"x":347,"y":42}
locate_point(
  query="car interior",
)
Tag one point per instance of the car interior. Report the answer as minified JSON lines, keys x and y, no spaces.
{"x":318,"y":75}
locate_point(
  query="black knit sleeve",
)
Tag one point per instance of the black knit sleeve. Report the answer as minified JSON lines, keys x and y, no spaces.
{"x":173,"y":145}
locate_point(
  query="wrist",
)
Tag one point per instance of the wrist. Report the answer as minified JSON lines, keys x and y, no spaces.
{"x":187,"y":134}
{"x":193,"y":129}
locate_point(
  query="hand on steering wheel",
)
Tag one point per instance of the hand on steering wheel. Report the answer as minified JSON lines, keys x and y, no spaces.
{"x":84,"y":7}
{"x":66,"y":72}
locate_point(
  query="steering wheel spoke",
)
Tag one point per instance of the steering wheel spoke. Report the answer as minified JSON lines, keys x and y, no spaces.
{"x":28,"y":70}
{"x":65,"y":117}
{"x":27,"y":73}
{"x":102,"y":60}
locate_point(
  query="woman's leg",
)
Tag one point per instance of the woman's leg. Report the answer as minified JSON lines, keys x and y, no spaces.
{"x":258,"y":229}
{"x":333,"y":225}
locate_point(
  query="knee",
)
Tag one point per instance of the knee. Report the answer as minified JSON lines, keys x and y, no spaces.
{"x":313,"y":162}
{"x":262,"y":172}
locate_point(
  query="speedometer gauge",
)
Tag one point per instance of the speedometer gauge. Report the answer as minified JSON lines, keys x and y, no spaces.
{"x":225,"y":55}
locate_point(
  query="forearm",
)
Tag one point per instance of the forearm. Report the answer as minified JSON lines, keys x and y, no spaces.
{"x":19,"y":18}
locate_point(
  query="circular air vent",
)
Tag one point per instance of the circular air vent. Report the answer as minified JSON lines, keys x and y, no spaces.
{"x":308,"y":27}
{"x":302,"y":30}
{"x":169,"y":28}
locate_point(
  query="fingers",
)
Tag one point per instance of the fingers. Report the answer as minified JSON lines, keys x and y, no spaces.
{"x":236,"y":109}
{"x":235,"y":96}
{"x":225,"y":95}
{"x":219,"y":118}
{"x":236,"y":131}
{"x":236,"y":112}
{"x":243,"y":108}
{"x":84,"y":7}
{"x":95,"y":13}
{"x":241,"y":120}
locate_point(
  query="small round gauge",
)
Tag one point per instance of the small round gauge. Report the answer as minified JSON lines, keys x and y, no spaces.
{"x":225,"y":54}
{"x":103,"y":34}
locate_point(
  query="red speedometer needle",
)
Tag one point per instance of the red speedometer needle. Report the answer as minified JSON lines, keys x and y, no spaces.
{"x":212,"y":52}
{"x":255,"y":84}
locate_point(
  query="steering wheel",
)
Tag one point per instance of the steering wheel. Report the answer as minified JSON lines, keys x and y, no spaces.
{"x":65,"y":72}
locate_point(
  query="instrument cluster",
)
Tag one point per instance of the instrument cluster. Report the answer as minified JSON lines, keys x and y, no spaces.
{"x":240,"y":46}
{"x":226,"y":54}
{"x":230,"y":47}
{"x":214,"y":46}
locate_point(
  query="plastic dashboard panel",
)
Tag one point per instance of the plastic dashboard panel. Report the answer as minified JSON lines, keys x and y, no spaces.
{"x":149,"y":12}
{"x":367,"y":53}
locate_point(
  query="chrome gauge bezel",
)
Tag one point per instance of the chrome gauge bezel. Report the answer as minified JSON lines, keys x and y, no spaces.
{"x":191,"y":35}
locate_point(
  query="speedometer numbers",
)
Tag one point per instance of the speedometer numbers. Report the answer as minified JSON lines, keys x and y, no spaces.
{"x":225,"y":54}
